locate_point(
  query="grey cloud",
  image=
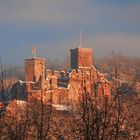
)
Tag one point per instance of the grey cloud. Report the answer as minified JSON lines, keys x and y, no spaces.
{"x":129,"y":13}
{"x":63,"y":12}
{"x":122,"y":43}
{"x":42,"y":11}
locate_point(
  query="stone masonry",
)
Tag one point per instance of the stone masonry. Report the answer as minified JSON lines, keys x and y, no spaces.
{"x":81,"y":58}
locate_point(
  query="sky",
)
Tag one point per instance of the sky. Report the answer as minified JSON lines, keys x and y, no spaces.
{"x":53,"y":26}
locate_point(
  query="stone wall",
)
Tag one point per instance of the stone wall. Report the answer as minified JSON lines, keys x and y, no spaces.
{"x":81,"y":58}
{"x":87,"y":80}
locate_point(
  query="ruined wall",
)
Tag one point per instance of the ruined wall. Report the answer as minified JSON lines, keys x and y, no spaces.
{"x":75,"y":81}
{"x":51,"y":81}
{"x":89,"y":80}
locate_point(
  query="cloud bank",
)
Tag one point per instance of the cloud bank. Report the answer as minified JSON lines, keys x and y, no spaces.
{"x":64,"y":12}
{"x":108,"y":26}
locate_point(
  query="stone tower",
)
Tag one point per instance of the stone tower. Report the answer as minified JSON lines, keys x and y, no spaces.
{"x":34,"y":68}
{"x":81,"y":58}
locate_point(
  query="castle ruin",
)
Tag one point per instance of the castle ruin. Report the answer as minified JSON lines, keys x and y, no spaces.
{"x":62,"y":87}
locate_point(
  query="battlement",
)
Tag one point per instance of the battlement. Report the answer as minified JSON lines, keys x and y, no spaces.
{"x":57,"y":78}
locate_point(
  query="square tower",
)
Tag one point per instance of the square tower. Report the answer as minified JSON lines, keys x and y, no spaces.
{"x":81,"y":58}
{"x":34,"y":68}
